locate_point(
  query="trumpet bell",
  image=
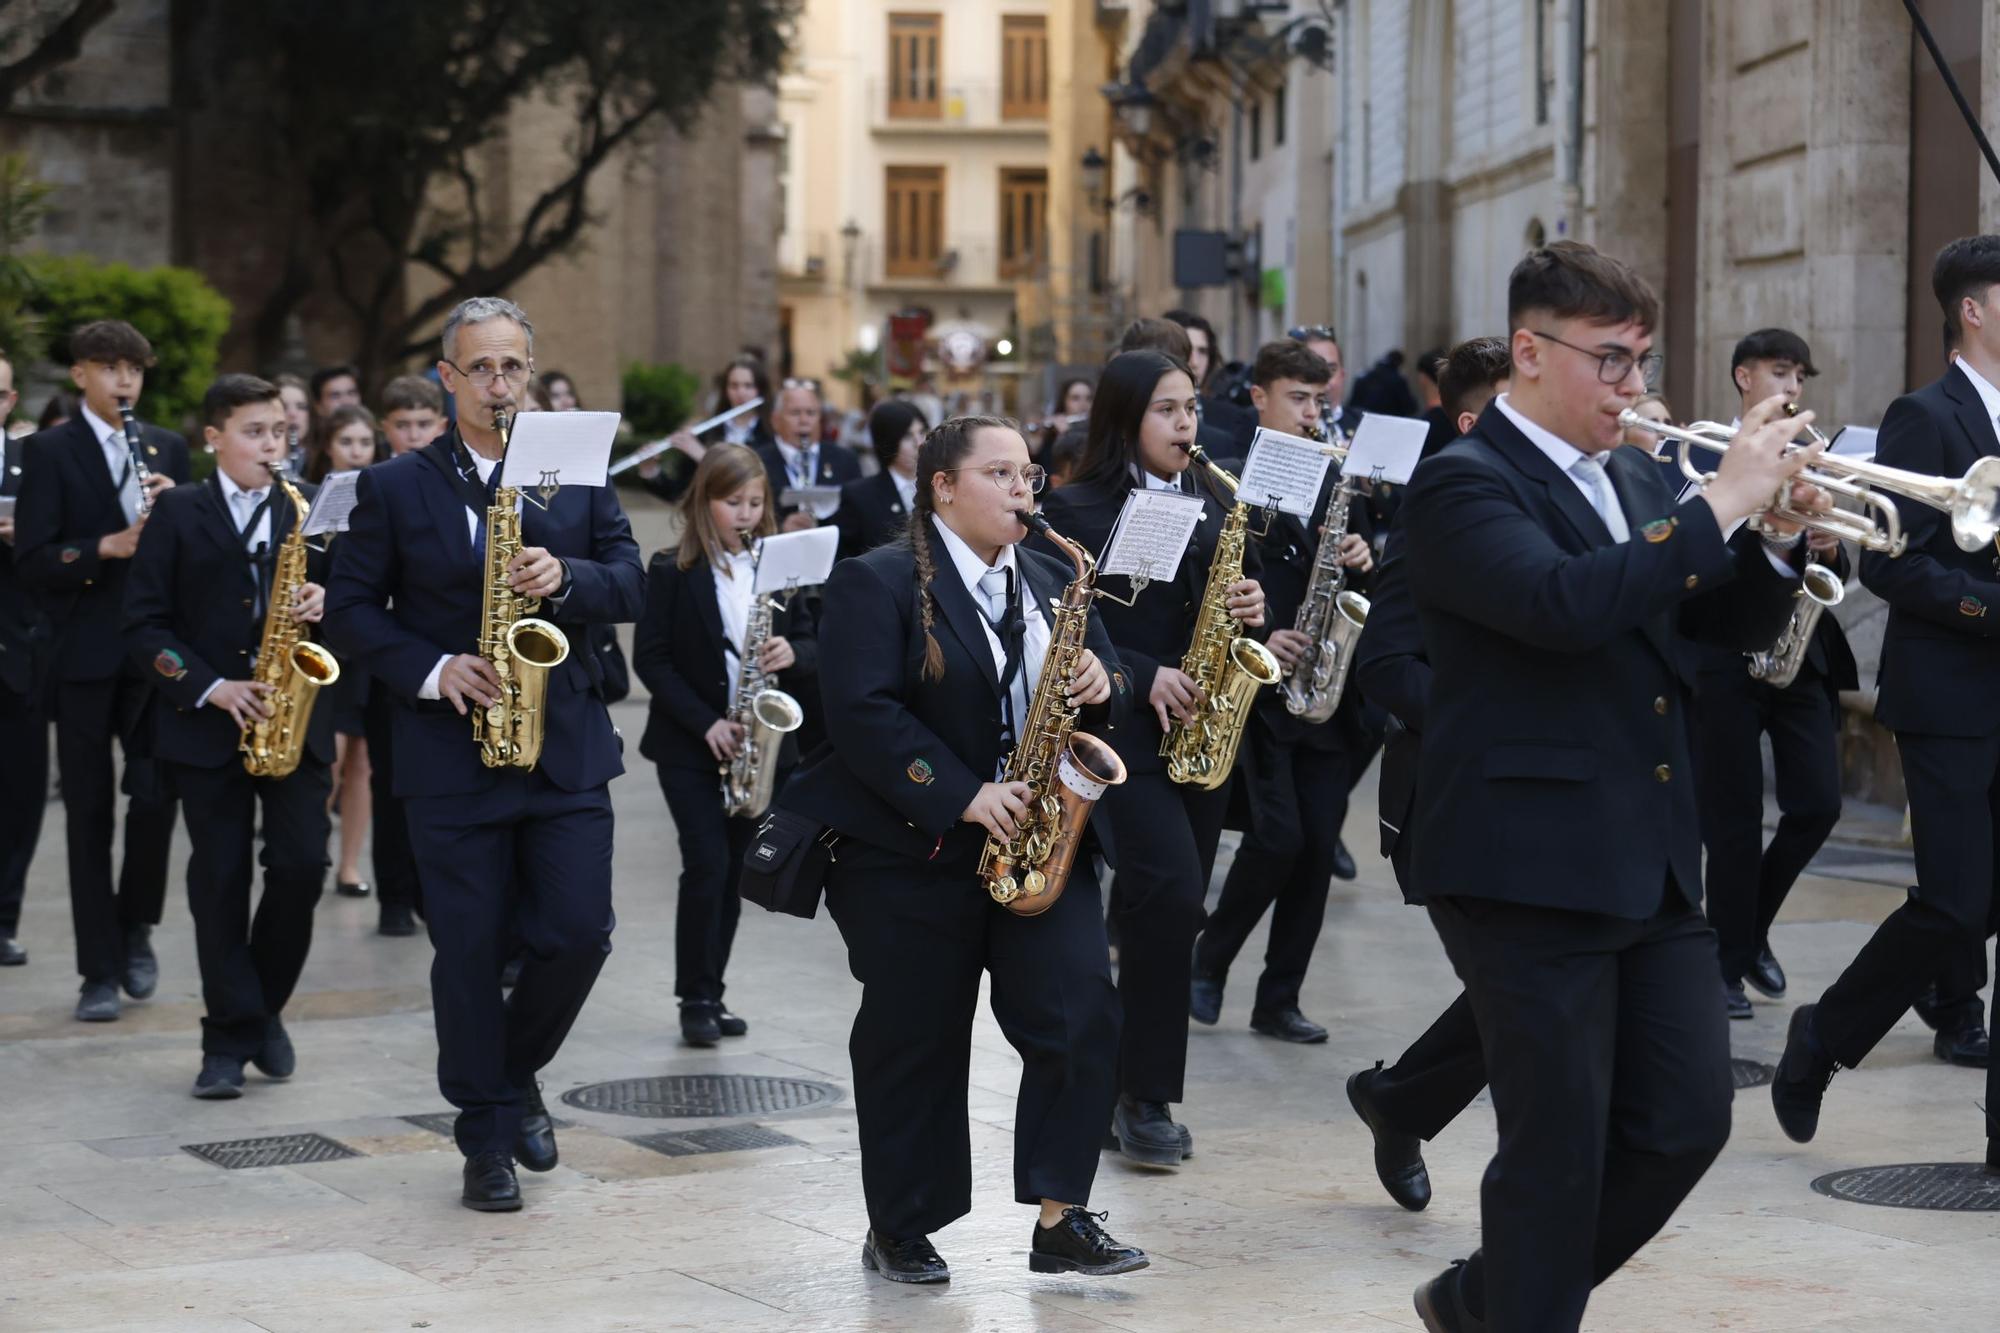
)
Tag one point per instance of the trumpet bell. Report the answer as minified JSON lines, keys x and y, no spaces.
{"x":1975,"y":513}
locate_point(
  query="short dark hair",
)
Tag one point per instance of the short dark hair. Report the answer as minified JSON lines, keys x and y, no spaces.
{"x":412,"y":393}
{"x":1188,"y":319}
{"x":1965,"y":267}
{"x":326,"y":375}
{"x":1571,"y":280}
{"x":1431,"y":364}
{"x":1286,"y":360}
{"x":1473,"y":365}
{"x":549,"y":379}
{"x":888,"y":422}
{"x":1157,"y":335}
{"x":230,"y":392}
{"x":1772,"y":345}
{"x":109,"y":341}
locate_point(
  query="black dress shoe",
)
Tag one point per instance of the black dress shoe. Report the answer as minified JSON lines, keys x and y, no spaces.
{"x":142,"y":969}
{"x":1993,"y":1157}
{"x":701,"y":1023}
{"x":1147,"y":1134}
{"x":1205,"y":999}
{"x":397,"y":919}
{"x":1928,"y":1010}
{"x":1766,"y":975}
{"x":1399,"y":1156}
{"x":276,"y":1058}
{"x":490,"y":1186}
{"x":1967,"y":1046}
{"x":220,"y":1079}
{"x":1288,"y":1025}
{"x":1077,"y":1244}
{"x":351,"y":888}
{"x":1441,"y":1304}
{"x":1735,"y":1002}
{"x":11,"y":953}
{"x":904,"y":1260}
{"x":535,"y":1142}
{"x":1343,"y":861}
{"x":1800,"y":1084}
{"x":98,"y":1002}
{"x":729,"y":1025}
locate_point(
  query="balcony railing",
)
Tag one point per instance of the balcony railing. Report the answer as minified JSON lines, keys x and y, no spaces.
{"x":953,"y":105}
{"x":961,"y":263}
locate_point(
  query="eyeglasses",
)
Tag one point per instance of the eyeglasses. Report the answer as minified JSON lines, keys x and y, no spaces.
{"x":1615,"y":365}
{"x":1004,"y":475}
{"x":483,"y":375}
{"x":1301,"y":333}
{"x":801,"y":384}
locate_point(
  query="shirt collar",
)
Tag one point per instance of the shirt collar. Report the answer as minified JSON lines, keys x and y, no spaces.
{"x":965,"y":562}
{"x":793,"y":451}
{"x":1148,"y":481}
{"x":1559,"y":451}
{"x":99,"y":426}
{"x":1987,"y":393}
{"x":230,"y":490}
{"x":905,"y":486}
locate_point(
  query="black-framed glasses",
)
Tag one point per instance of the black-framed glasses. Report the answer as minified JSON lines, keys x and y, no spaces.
{"x":514,"y":372}
{"x":1615,"y":365}
{"x":1004,"y":475}
{"x":1301,"y":333}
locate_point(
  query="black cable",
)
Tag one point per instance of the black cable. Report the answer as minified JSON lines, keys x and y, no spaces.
{"x":1958,"y":96}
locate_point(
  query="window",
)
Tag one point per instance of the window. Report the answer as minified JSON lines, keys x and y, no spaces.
{"x":1024,"y":211}
{"x":915,"y":231}
{"x":1024,"y":67}
{"x":914,"y":40}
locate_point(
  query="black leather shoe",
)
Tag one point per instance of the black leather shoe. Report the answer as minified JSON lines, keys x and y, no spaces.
{"x":1993,"y":1157}
{"x":1205,"y":999}
{"x":1288,"y":1025}
{"x":98,"y":1002}
{"x":276,"y":1059}
{"x":11,"y":953}
{"x":397,"y":919}
{"x":1441,"y":1305}
{"x":904,"y":1260}
{"x":351,"y":888}
{"x":220,"y":1079}
{"x":490,"y":1185}
{"x":1187,"y":1140}
{"x":1399,"y":1157}
{"x":1147,"y":1134}
{"x":1800,"y":1084}
{"x":729,"y":1025}
{"x":1077,"y":1244}
{"x":701,"y":1023}
{"x":1928,"y":1010}
{"x":535,"y":1142}
{"x":1766,"y":975}
{"x":1343,"y":861}
{"x":142,"y":969}
{"x":1735,"y":1002}
{"x":1967,"y":1046}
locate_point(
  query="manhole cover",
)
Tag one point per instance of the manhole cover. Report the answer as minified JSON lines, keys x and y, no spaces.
{"x":278,"y":1150}
{"x":685,"y":1096}
{"x":1946,"y":1187}
{"x":722,"y":1138}
{"x":1751,"y":1074}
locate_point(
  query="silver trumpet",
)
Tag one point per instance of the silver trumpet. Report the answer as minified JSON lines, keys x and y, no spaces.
{"x":1779,"y":665}
{"x":1972,"y":501}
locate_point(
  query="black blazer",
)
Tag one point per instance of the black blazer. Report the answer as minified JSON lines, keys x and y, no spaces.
{"x":23,"y":629}
{"x":1941,"y":647}
{"x":837,"y":467}
{"x":1556,"y":754}
{"x":69,"y":499}
{"x":676,"y":472}
{"x":409,"y":543}
{"x":1829,"y":664}
{"x":1392,"y":673}
{"x":906,"y":755}
{"x":871,"y":514}
{"x":191,"y":620}
{"x":677,"y":651}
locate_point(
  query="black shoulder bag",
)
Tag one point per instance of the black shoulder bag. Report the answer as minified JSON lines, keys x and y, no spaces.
{"x":786,"y":866}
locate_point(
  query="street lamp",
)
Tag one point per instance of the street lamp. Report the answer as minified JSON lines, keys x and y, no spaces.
{"x":850,"y":240}
{"x":1094,"y":167}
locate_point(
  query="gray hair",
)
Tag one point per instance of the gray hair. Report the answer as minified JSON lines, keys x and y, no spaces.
{"x":477,"y":310}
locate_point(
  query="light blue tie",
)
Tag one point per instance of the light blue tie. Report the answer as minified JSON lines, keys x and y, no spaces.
{"x":1597,"y":485}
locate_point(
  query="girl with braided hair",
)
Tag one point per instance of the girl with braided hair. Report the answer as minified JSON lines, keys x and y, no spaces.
{"x":935,"y":646}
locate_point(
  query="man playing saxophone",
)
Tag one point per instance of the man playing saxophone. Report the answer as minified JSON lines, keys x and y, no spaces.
{"x":205,"y":588}
{"x":511,"y":853}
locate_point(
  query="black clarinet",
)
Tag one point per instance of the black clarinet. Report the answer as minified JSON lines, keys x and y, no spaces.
{"x":140,"y":472}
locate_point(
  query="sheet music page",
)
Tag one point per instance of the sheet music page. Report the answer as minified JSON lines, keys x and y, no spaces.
{"x":822,"y":501}
{"x":1283,"y":472}
{"x":333,"y":504}
{"x":1151,"y":535}
{"x":795,"y":559}
{"x":1854,"y":442}
{"x":559,"y":449}
{"x":1386,"y":448}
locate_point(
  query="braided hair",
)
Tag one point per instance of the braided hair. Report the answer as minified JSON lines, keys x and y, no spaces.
{"x":942,"y":450}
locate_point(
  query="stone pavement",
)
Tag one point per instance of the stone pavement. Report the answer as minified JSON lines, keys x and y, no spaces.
{"x":1277,"y":1222}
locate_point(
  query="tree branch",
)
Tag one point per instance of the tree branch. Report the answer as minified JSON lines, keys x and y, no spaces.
{"x":58,"y":46}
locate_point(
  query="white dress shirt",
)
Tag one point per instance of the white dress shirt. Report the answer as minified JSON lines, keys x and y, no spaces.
{"x":906,"y":487}
{"x":1153,"y":482}
{"x":1034,"y":643}
{"x":111,"y":439}
{"x":734,"y":579}
{"x":240,"y":502}
{"x":1988,"y":395}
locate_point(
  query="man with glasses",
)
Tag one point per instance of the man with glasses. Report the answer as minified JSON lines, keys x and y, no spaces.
{"x":508,"y":856}
{"x":797,"y":460}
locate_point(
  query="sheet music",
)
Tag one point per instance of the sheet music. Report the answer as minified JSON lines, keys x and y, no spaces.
{"x":1283,"y":472}
{"x":1386,"y":448}
{"x":821,"y":500}
{"x":1854,"y":442}
{"x":795,"y":559}
{"x":1151,"y":535}
{"x":559,"y":449}
{"x":332,"y":505}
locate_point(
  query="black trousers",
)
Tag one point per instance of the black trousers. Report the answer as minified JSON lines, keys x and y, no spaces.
{"x":1609,"y":1054}
{"x":705,"y":913}
{"x":918,"y":936}
{"x":1959,"y":984}
{"x":1163,"y":839}
{"x":389,"y":827}
{"x":1437,"y":1077}
{"x":90,"y":714}
{"x":250,"y":961}
{"x":1297,"y":798}
{"x":1954,"y":789}
{"x":523,"y":865}
{"x":24,"y":792}
{"x":1748,"y":881}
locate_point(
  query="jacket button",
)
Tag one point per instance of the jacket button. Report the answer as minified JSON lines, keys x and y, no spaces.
{"x":246,"y":601}
{"x":1660,"y":705}
{"x":1662,"y":773}
{"x":1693,"y":579}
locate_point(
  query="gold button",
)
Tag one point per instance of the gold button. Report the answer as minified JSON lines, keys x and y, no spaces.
{"x":246,"y":601}
{"x":1662,"y":773}
{"x":1693,"y":579}
{"x":1660,"y":705}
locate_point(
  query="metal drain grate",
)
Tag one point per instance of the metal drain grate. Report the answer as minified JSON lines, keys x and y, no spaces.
{"x":1751,"y":1073}
{"x":277,"y":1150}
{"x":689,"y":1096}
{"x":1945,"y":1187}
{"x":446,"y":1122}
{"x":722,"y":1138}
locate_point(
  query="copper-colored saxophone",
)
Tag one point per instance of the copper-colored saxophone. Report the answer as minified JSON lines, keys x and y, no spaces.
{"x":295,"y":668}
{"x":522,"y":649}
{"x":1066,"y":769}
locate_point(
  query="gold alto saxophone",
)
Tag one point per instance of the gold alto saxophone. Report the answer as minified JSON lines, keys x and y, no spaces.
{"x":1779,"y":665}
{"x":522,"y":649}
{"x":765,"y":712}
{"x":1330,"y":615}
{"x":295,"y":668}
{"x":1066,"y":769}
{"x":1226,"y":667}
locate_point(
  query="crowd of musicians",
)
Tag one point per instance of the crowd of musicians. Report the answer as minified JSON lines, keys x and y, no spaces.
{"x":1554,"y":672}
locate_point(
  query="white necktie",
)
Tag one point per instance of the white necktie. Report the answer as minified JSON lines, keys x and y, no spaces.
{"x":993,"y":588}
{"x":1602,"y":497}
{"x":128,"y":479}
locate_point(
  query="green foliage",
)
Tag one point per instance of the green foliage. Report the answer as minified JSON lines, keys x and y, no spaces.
{"x":180,"y":314}
{"x":23,"y":200}
{"x":657,"y":399}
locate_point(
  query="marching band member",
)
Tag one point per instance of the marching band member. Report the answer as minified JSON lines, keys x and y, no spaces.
{"x":875,"y":510}
{"x":687,"y":649}
{"x":507,"y":855}
{"x":1162,"y":835}
{"x":919,"y":708}
{"x":744,"y":378}
{"x":798,"y":459}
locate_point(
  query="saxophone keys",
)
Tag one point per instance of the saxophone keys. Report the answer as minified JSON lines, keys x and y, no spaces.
{"x":1034,"y":883}
{"x":1005,"y":890}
